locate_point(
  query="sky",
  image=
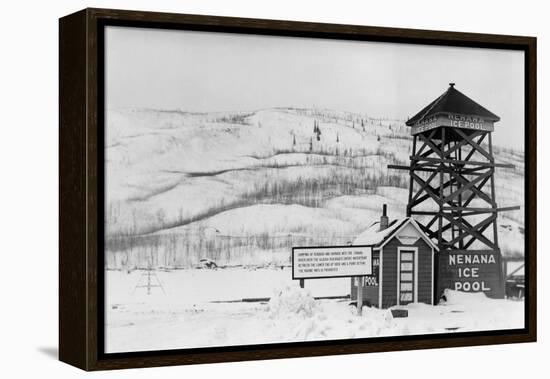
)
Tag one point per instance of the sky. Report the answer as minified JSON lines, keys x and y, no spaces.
{"x":207,"y":72}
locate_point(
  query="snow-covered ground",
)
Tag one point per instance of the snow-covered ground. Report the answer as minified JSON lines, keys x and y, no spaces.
{"x":203,"y":308}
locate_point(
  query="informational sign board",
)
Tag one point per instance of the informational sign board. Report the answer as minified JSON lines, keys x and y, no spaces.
{"x":331,"y":261}
{"x":454,"y":121}
{"x":470,"y":271}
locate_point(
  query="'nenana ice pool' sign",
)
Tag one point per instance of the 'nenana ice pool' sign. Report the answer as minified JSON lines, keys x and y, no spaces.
{"x":471,"y":271}
{"x":454,"y":121}
{"x":331,"y":261}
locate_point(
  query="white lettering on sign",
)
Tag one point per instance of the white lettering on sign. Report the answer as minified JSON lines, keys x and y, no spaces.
{"x":454,"y":121}
{"x":471,"y":286}
{"x":461,"y":259}
{"x":320,"y":262}
{"x":372,"y":279}
{"x":468,"y":271}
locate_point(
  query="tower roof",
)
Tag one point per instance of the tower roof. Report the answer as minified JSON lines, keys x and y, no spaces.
{"x":453,"y":101}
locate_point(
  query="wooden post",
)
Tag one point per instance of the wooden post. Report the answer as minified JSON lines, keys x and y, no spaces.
{"x":493,"y":196}
{"x":411,"y":180}
{"x":359,"y":295}
{"x":302,"y":284}
{"x":441,"y":188}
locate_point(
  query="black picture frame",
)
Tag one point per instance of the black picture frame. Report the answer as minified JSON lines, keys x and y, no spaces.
{"x":81,"y":187}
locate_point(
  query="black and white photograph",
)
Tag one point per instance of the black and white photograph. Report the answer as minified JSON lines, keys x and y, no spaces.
{"x":274,"y":189}
{"x":277,"y":189}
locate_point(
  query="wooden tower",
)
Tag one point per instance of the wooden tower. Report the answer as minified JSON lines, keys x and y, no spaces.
{"x":452,"y":191}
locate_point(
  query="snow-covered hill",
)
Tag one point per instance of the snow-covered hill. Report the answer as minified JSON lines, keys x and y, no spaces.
{"x":243,"y":187}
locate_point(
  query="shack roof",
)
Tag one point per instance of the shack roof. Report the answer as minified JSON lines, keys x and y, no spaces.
{"x":453,"y":101}
{"x":378,"y":238}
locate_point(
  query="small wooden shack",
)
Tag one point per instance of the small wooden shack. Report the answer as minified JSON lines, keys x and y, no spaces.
{"x":403,"y":264}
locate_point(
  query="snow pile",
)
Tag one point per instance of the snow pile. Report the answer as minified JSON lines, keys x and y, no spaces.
{"x":465,"y":312}
{"x":464,"y":298}
{"x":295,"y":315}
{"x":336,"y":321}
{"x":289,"y":301}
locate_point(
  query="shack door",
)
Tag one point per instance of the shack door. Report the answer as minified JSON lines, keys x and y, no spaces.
{"x":407,"y":267}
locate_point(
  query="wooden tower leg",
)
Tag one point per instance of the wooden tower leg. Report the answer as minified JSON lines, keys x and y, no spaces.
{"x":360,"y":295}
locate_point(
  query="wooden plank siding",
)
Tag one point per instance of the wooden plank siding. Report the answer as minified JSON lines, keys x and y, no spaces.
{"x":389,"y":275}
